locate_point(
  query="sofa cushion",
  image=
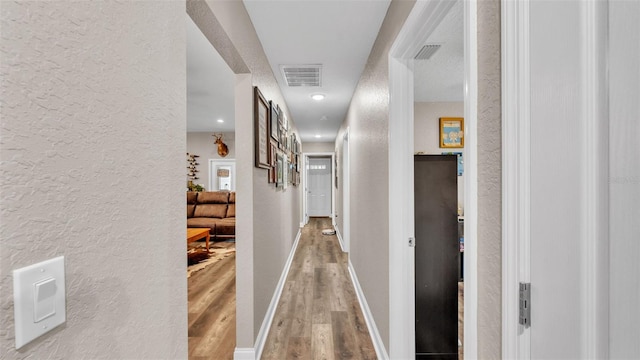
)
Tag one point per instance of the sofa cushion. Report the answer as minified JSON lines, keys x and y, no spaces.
{"x":190,"y":210}
{"x":232,"y":197}
{"x":192,"y":197}
{"x":226,"y":227}
{"x":211,"y":210}
{"x":203,"y":223}
{"x":213,"y":197}
{"x":231,"y":211}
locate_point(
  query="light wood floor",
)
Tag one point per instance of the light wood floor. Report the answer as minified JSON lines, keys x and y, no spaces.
{"x":212,"y":310}
{"x":461,"y":319}
{"x":318,"y":316}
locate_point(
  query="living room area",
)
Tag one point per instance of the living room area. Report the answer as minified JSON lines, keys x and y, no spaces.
{"x":210,"y":199}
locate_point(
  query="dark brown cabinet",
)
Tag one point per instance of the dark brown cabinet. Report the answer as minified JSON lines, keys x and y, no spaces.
{"x":437,"y":255}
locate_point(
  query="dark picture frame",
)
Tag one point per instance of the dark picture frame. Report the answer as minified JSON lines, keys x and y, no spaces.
{"x":261,"y":129}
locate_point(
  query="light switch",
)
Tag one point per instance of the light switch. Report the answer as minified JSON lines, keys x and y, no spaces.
{"x":39,"y":299}
{"x":44,"y":300}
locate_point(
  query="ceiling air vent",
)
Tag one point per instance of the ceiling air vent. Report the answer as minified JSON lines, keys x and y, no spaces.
{"x":427,"y":51}
{"x":302,"y":75}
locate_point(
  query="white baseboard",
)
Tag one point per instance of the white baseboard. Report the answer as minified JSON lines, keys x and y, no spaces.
{"x":339,"y":238}
{"x":271,"y":310}
{"x":244,"y":354}
{"x":378,"y":345}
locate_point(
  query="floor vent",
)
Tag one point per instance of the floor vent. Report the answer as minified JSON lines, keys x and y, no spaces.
{"x":427,"y":51}
{"x":302,"y":75}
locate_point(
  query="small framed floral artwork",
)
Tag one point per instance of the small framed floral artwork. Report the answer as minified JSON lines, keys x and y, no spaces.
{"x":451,"y":132}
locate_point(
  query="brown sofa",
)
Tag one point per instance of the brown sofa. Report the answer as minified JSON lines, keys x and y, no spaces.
{"x":215,"y":210}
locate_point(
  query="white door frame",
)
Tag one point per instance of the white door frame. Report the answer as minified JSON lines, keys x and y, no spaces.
{"x":424,"y":18}
{"x":346,"y":193}
{"x":516,"y":151}
{"x":213,"y":162}
{"x":305,"y":162}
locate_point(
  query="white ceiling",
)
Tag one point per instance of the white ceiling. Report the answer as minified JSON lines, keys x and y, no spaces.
{"x":337,"y":34}
{"x":210,"y":85}
{"x":441,"y":78}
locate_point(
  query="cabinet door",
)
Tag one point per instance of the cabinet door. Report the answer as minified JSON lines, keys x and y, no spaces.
{"x":437,"y":252}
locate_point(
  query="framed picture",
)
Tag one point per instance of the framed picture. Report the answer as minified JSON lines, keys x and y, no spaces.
{"x":273,"y":161}
{"x":285,"y":172}
{"x":451,"y":132}
{"x":273,"y":121}
{"x":261,"y":129}
{"x":280,"y":171}
{"x":283,"y":138}
{"x":284,"y":122}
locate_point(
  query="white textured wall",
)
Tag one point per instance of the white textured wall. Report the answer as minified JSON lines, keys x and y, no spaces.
{"x":92,"y":167}
{"x":489,"y":182}
{"x":426,"y":131}
{"x":202,"y":143}
{"x":368,"y":120}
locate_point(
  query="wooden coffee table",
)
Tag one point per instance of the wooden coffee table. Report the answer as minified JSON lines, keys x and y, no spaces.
{"x":194,"y":234}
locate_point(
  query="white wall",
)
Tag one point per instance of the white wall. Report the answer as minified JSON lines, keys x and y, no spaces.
{"x":92,"y":150}
{"x":624,"y":179}
{"x":426,"y":135}
{"x":202,"y":143}
{"x":309,"y":147}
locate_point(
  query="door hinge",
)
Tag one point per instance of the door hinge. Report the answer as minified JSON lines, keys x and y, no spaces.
{"x":525,"y":304}
{"x":412,"y":242}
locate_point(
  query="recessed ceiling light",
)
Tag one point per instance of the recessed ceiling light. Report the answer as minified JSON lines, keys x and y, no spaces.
{"x":318,"y":136}
{"x":220,"y":120}
{"x":317,"y":97}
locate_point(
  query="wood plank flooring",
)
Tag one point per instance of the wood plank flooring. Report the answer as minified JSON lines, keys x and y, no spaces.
{"x":318,"y":316}
{"x":212,"y":310}
{"x":461,"y":319}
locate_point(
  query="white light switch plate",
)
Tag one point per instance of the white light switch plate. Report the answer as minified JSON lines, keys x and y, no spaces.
{"x":39,"y":299}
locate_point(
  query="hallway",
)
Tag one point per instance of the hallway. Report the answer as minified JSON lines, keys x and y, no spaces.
{"x":318,"y":315}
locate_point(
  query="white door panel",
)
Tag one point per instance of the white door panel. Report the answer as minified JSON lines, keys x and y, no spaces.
{"x":319,"y":187}
{"x":555,"y":180}
{"x":557,"y":191}
{"x":624,"y":132}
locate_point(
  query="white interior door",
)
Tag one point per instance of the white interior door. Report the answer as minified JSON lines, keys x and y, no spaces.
{"x":556,"y":194}
{"x":319,"y":186}
{"x":555,"y":190}
{"x":624,"y":179}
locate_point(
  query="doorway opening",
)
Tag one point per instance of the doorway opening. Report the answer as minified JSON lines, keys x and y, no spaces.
{"x":222,"y":175}
{"x":211,"y":201}
{"x":319,"y":196}
{"x":420,"y":32}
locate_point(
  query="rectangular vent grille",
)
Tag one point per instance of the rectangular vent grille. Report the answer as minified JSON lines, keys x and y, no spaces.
{"x":427,"y":51}
{"x":302,"y":75}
